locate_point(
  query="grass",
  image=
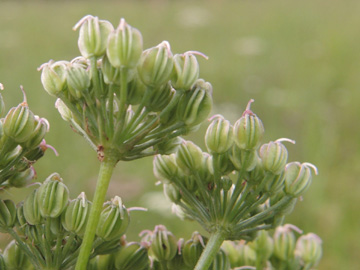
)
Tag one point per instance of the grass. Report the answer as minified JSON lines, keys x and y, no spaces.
{"x":299,"y":60}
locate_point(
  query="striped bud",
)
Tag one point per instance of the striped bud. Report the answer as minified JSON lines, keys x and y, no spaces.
{"x":274,"y":156}
{"x":132,"y":256}
{"x":163,"y":244}
{"x":53,"y":77}
{"x":219,"y":135}
{"x":298,"y":178}
{"x":309,"y":249}
{"x":186,"y":70}
{"x":165,"y":167}
{"x":189,"y":157}
{"x":7,"y":215}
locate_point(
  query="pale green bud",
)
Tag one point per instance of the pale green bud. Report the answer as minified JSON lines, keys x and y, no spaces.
{"x":186,"y":70}
{"x":93,"y":36}
{"x":132,"y":256}
{"x":125,"y":46}
{"x":75,"y":217}
{"x":221,"y":261}
{"x":111,"y":74}
{"x":219,"y":135}
{"x":189,"y":157}
{"x":53,"y":77}
{"x":7,"y":215}
{"x":275,"y":184}
{"x":274,"y":156}
{"x":248,"y":130}
{"x":19,"y":123}
{"x":163,"y":244}
{"x":284,"y":242}
{"x":78,"y":80}
{"x":192,"y":249}
{"x":178,"y":262}
{"x":22,"y":178}
{"x":20,"y":222}
{"x":165,"y":167}
{"x":64,"y":111}
{"x":113,"y":220}
{"x":156,"y":65}
{"x":309,"y":249}
{"x":243,"y":159}
{"x":42,"y":126}
{"x":172,"y":193}
{"x":15,"y":258}
{"x":10,"y":156}
{"x":263,"y":245}
{"x":168,"y":146}
{"x":52,"y":196}
{"x":298,"y":178}
{"x":159,"y":98}
{"x":195,"y":105}
{"x":239,"y":254}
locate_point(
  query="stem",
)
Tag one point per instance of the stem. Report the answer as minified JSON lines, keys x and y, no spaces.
{"x":210,"y":251}
{"x":106,"y":170}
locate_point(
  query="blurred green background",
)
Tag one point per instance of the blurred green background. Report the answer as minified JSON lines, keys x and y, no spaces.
{"x":300,"y":61}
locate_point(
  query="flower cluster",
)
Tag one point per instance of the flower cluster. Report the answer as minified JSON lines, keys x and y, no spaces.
{"x":21,"y":144}
{"x":49,"y":228}
{"x":239,"y":186}
{"x":127,"y":102}
{"x":281,"y":251}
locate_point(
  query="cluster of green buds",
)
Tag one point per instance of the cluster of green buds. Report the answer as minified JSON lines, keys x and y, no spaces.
{"x":239,"y":186}
{"x":21,"y":144}
{"x":127,"y":102}
{"x":49,"y":227}
{"x":283,"y":250}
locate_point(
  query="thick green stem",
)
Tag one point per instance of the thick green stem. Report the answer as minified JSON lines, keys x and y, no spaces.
{"x":210,"y":251}
{"x":105,"y":173}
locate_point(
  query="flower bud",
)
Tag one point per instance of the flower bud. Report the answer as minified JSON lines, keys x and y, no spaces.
{"x":22,"y":178}
{"x":2,"y":104}
{"x":19,"y":123}
{"x":10,"y":156}
{"x":101,"y":262}
{"x":78,"y":80}
{"x":172,"y":193}
{"x":219,"y":135}
{"x":168,"y":146}
{"x":52,"y":196}
{"x":284,"y":242}
{"x":165,"y":167}
{"x":20,"y":222}
{"x":159,"y":98}
{"x":274,"y":157}
{"x":156,"y":65}
{"x":53,"y":77}
{"x":7,"y":215}
{"x":111,"y":74}
{"x":75,"y":217}
{"x":193,"y":249}
{"x":31,"y":209}
{"x":15,"y":258}
{"x":221,"y":261}
{"x":93,"y":36}
{"x":113,"y":220}
{"x":195,"y":105}
{"x":239,"y":254}
{"x":64,"y":111}
{"x":263,"y":245}
{"x":243,"y":159}
{"x":186,"y":70}
{"x":132,"y":256}
{"x":178,"y":262}
{"x":189,"y":157}
{"x":248,"y":130}
{"x":309,"y":249}
{"x":136,"y":91}
{"x":275,"y":183}
{"x":298,"y":178}
{"x":41,"y":127}
{"x":163,"y":244}
{"x":125,"y":46}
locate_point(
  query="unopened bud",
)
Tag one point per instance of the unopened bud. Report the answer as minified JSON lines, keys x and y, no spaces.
{"x":192,"y":250}
{"x":64,"y":111}
{"x":132,"y":256}
{"x":75,"y":217}
{"x":298,"y":178}
{"x":263,"y":245}
{"x":172,"y":193}
{"x":156,"y":65}
{"x":15,"y":258}
{"x":168,"y":146}
{"x":248,"y":130}
{"x":186,"y":70}
{"x":284,"y":242}
{"x":221,"y":261}
{"x":111,"y":74}
{"x":136,"y":91}
{"x":7,"y":215}
{"x":163,"y":244}
{"x":159,"y":98}
{"x":53,"y":77}
{"x":195,"y":105}
{"x":240,"y":254}
{"x":274,"y":157}
{"x":52,"y":196}
{"x":41,"y":127}
{"x":219,"y":135}
{"x":165,"y":167}
{"x":275,"y":183}
{"x":113,"y":220}
{"x":19,"y":123}
{"x":243,"y":159}
{"x":125,"y":46}
{"x":93,"y":36}
{"x":31,"y":209}
{"x":189,"y":157}
{"x":22,"y":178}
{"x":78,"y":80}
{"x":309,"y":249}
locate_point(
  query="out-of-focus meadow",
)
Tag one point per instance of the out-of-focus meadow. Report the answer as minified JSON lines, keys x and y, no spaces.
{"x":299,"y":60}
